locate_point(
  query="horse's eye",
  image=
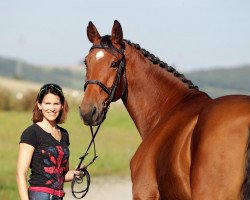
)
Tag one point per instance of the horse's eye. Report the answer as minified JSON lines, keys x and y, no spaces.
{"x":114,"y":64}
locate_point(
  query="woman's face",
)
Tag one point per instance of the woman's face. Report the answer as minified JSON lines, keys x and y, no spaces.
{"x":51,"y":107}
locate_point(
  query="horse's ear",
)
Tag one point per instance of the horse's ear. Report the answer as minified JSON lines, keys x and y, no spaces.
{"x":117,"y":35}
{"x":92,"y":33}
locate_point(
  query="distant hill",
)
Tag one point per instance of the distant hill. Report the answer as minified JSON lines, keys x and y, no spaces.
{"x":218,"y":82}
{"x":72,"y":78}
{"x":215,"y":82}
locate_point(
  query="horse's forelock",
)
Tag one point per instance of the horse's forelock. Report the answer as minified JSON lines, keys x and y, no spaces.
{"x":106,"y":42}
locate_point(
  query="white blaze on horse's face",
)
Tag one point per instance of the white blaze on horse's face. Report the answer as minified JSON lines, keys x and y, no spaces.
{"x":99,"y":55}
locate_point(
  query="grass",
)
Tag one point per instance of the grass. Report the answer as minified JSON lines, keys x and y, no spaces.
{"x":116,"y":143}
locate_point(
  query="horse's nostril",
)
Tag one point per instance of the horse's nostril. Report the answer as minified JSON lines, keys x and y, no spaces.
{"x":93,"y":111}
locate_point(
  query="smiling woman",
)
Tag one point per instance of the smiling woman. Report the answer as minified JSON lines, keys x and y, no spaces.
{"x":44,"y":148}
{"x":50,"y":100}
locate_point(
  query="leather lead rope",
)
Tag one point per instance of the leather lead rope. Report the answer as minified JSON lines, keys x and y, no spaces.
{"x":83,"y":171}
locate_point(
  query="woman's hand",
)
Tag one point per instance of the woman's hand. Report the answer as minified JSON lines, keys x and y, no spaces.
{"x":74,"y":172}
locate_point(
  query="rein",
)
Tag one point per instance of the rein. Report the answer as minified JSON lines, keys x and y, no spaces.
{"x":111,"y":92}
{"x":83,"y":171}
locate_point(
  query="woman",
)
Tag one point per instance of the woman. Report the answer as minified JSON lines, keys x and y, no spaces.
{"x":44,"y":148}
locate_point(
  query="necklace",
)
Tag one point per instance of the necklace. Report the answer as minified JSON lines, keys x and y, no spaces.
{"x":53,"y":131}
{"x":56,"y":133}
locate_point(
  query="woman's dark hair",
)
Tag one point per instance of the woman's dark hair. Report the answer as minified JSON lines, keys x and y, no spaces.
{"x":53,"y":89}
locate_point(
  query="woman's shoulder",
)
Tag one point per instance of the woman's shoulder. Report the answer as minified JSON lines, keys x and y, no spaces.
{"x":32,"y":131}
{"x":31,"y":128}
{"x":29,"y":135}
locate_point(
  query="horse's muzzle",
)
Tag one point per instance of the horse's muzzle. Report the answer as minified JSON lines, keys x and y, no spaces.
{"x":92,"y":117}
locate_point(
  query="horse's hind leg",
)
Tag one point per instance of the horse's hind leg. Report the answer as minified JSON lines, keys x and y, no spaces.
{"x":219,"y":164}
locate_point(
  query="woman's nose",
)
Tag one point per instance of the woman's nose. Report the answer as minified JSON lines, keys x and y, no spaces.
{"x":52,"y":108}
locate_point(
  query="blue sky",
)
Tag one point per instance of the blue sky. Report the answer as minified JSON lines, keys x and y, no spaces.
{"x":190,"y":35}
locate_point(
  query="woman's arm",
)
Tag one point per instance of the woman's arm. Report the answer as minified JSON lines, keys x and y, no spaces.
{"x":23,"y":162}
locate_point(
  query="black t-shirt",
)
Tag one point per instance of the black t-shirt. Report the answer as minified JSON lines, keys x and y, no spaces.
{"x":50,"y":158}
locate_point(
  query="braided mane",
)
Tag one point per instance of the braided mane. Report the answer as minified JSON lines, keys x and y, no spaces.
{"x":155,"y":60}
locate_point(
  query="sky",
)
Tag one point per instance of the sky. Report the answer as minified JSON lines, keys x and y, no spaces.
{"x":187,"y":34}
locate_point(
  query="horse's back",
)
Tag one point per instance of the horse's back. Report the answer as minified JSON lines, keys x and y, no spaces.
{"x":220,"y":144}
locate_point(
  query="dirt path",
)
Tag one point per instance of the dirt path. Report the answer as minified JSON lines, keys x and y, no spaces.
{"x":106,"y":188}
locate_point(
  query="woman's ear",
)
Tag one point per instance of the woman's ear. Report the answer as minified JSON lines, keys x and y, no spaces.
{"x":39,"y":105}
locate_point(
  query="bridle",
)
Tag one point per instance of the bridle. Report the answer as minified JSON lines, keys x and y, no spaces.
{"x":120,"y":73}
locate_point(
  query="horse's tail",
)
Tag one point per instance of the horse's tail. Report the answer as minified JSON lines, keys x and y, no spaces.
{"x":246,"y":185}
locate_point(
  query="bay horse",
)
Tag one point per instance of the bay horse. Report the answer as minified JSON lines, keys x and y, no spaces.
{"x":193,"y":146}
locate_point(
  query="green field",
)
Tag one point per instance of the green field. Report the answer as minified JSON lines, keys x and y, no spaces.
{"x":116,"y":142}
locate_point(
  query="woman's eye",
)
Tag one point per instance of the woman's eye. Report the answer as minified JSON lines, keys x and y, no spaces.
{"x":114,"y":64}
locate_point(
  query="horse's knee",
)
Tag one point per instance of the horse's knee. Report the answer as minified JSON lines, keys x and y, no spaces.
{"x":140,"y":197}
{"x":149,"y":193}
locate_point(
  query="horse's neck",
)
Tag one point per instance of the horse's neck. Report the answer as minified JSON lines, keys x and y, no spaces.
{"x":152,"y":92}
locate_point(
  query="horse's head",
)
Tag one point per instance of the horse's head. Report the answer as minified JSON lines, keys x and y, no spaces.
{"x":105,"y":74}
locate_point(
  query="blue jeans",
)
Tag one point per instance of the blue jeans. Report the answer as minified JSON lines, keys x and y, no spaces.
{"x":42,"y":196}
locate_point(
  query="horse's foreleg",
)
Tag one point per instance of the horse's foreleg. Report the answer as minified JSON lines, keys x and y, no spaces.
{"x":144,"y":184}
{"x":144,"y":189}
